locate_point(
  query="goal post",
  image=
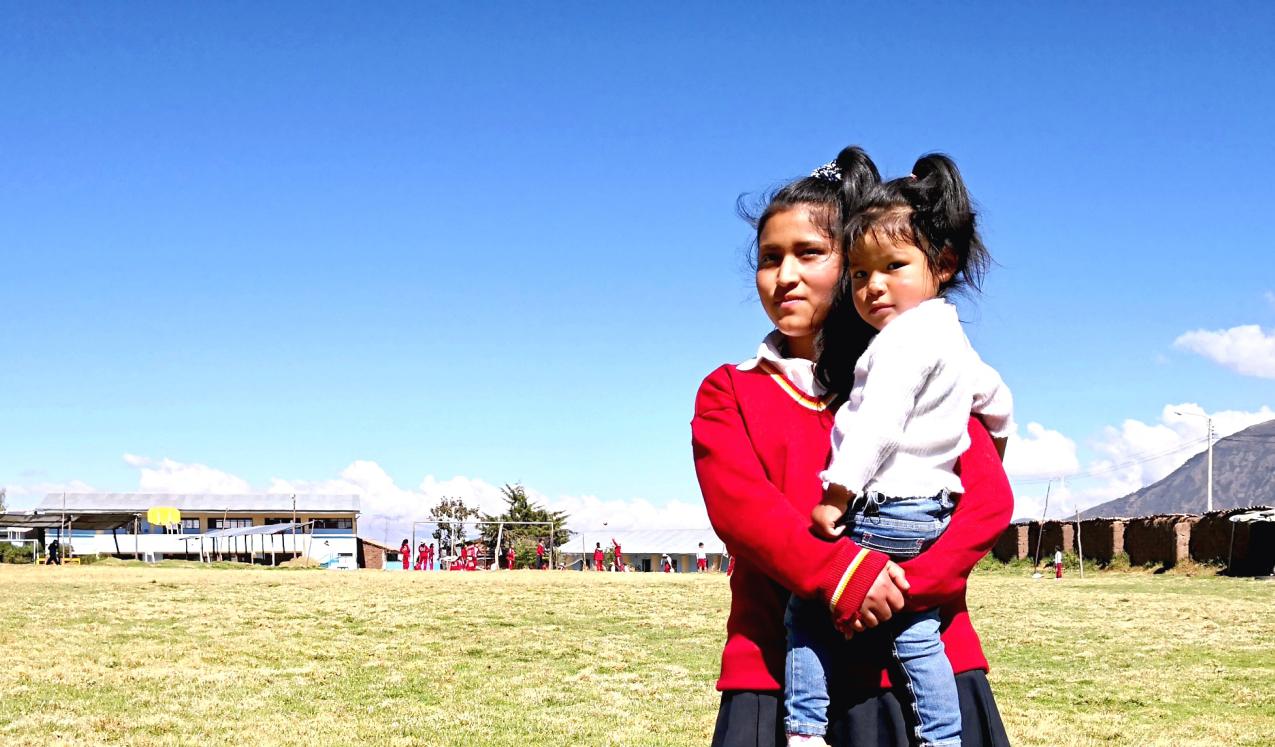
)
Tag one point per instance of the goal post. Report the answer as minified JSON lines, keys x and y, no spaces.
{"x":550,"y":528}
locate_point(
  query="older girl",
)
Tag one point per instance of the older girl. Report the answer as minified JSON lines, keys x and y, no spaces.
{"x":761,"y":436}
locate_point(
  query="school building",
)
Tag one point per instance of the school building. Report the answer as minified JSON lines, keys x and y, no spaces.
{"x":263,"y":528}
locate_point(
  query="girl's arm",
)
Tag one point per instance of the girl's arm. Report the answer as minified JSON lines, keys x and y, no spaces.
{"x":758,"y":522}
{"x":939,"y":574}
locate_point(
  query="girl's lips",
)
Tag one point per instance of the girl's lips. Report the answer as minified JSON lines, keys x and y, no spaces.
{"x":788,"y":303}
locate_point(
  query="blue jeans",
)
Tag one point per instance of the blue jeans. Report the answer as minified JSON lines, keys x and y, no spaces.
{"x":901,"y":528}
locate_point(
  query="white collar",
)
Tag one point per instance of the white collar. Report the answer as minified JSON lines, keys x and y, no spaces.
{"x":799,"y":371}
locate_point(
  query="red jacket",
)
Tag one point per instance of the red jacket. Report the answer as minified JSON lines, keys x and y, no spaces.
{"x":759,"y":445}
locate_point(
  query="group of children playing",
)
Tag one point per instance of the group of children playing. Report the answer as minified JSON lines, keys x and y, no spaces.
{"x":466,"y":558}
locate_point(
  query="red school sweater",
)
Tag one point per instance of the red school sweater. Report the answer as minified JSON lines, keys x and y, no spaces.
{"x":759,"y":445}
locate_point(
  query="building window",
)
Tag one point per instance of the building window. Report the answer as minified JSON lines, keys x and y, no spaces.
{"x":229,"y":523}
{"x":190,"y":526}
{"x":333,"y":526}
{"x":278,"y":520}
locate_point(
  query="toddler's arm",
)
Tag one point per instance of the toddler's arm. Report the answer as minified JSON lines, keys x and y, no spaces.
{"x":826,"y":514}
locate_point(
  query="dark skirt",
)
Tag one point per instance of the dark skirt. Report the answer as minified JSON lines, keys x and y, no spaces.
{"x":756,"y":719}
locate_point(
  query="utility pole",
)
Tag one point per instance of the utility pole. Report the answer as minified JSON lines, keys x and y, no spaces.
{"x":1208,"y":503}
{"x":1208,"y":482}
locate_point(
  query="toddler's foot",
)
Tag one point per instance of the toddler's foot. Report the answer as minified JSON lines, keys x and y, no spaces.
{"x":806,"y":740}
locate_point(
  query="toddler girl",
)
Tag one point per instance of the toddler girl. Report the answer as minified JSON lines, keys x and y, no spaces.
{"x":891,"y":479}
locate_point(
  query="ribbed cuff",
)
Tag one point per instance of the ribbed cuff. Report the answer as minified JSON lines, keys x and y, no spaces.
{"x":847,"y":580}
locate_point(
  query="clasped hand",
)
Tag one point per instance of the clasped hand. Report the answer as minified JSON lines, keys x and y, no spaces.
{"x":885,"y":596}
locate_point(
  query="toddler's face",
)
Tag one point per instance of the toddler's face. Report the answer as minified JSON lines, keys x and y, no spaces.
{"x":888,"y":277}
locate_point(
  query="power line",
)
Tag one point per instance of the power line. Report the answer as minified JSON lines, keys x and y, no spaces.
{"x":1143,"y":459}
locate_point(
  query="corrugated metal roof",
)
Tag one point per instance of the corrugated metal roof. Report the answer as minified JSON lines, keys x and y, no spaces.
{"x":262,"y":502}
{"x":648,"y":541}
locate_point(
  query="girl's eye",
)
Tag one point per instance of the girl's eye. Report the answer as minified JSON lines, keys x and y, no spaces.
{"x":858,"y":275}
{"x":767,"y":259}
{"x":814,"y":252}
{"x":898,"y":265}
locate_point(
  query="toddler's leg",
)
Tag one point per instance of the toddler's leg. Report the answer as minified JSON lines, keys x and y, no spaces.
{"x":927,"y":675}
{"x":810,"y":641}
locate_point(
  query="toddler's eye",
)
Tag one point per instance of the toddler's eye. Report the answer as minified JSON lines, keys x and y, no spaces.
{"x":858,"y":275}
{"x":898,"y":265}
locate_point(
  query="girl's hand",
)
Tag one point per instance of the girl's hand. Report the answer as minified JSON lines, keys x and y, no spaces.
{"x":824,"y":517}
{"x":884,"y":598}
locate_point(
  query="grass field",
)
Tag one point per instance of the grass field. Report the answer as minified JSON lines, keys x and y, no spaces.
{"x":162,"y":655}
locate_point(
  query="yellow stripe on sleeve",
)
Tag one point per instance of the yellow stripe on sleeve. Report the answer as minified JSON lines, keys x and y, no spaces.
{"x":845,"y":579}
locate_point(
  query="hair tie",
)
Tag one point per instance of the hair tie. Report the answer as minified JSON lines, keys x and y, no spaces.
{"x":829,"y":172}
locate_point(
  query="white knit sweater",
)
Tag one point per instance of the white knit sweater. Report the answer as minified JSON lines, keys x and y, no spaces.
{"x":906,"y":420}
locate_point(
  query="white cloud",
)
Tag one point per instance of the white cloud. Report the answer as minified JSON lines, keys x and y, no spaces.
{"x":1245,"y":349}
{"x":1041,"y":453}
{"x":1270,"y":298}
{"x":21,"y":496}
{"x":390,"y":509}
{"x":1131,"y":456}
{"x":170,"y":476}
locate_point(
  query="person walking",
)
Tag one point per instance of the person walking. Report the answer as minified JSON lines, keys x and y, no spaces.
{"x":540,"y":555}
{"x":701,"y":559}
{"x":429,"y":557}
{"x":599,"y":557}
{"x":54,"y":553}
{"x":509,"y":558}
{"x":1058,"y":563}
{"x":405,"y":552}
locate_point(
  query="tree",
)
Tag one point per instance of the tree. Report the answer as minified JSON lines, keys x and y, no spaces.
{"x":524,"y":537}
{"x":448,"y":515}
{"x":2,"y":504}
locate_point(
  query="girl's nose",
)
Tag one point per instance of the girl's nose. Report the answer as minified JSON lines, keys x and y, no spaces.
{"x":788,"y":271}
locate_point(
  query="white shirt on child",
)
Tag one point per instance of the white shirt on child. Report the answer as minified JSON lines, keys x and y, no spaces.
{"x":906,"y":421}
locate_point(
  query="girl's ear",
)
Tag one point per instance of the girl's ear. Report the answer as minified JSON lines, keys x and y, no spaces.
{"x":947,"y":265}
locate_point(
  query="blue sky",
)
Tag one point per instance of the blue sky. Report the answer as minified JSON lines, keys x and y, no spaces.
{"x":408,"y":250}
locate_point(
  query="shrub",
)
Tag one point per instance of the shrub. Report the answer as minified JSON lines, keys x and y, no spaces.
{"x":16,"y":553}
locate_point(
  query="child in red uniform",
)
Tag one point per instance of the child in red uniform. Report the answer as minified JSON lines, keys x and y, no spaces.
{"x":701,"y":559}
{"x":540,"y":554}
{"x":429,"y":557}
{"x":405,"y":551}
{"x":422,"y":554}
{"x":509,"y":558}
{"x":619,"y":556}
{"x":599,"y":557}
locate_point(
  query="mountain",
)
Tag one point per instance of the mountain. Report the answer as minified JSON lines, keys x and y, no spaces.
{"x":1243,"y":475}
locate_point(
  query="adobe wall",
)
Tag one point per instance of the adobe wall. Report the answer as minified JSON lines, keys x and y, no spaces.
{"x":1013,"y":544}
{"x":1050,"y":536}
{"x":1102,"y":539}
{"x":1164,"y":540}
{"x":1247,"y":549}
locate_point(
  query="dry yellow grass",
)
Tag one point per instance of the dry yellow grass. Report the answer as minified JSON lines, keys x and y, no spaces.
{"x":136,"y":655}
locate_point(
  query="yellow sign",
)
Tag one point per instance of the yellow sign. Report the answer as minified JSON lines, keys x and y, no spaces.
{"x":164,"y":516}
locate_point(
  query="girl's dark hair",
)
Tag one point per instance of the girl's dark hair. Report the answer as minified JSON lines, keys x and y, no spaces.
{"x":833,"y":199}
{"x":931,"y":209}
{"x":830,"y":196}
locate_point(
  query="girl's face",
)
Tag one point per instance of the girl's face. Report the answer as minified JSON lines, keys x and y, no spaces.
{"x":889,"y":276}
{"x":797,"y":272}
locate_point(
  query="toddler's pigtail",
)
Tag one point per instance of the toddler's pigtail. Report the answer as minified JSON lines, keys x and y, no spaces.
{"x":944,"y":215}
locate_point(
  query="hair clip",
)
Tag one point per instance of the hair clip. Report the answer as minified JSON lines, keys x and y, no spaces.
{"x":829,"y":172}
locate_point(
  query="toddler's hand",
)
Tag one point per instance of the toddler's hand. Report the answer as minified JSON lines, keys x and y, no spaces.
{"x":825,"y":517}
